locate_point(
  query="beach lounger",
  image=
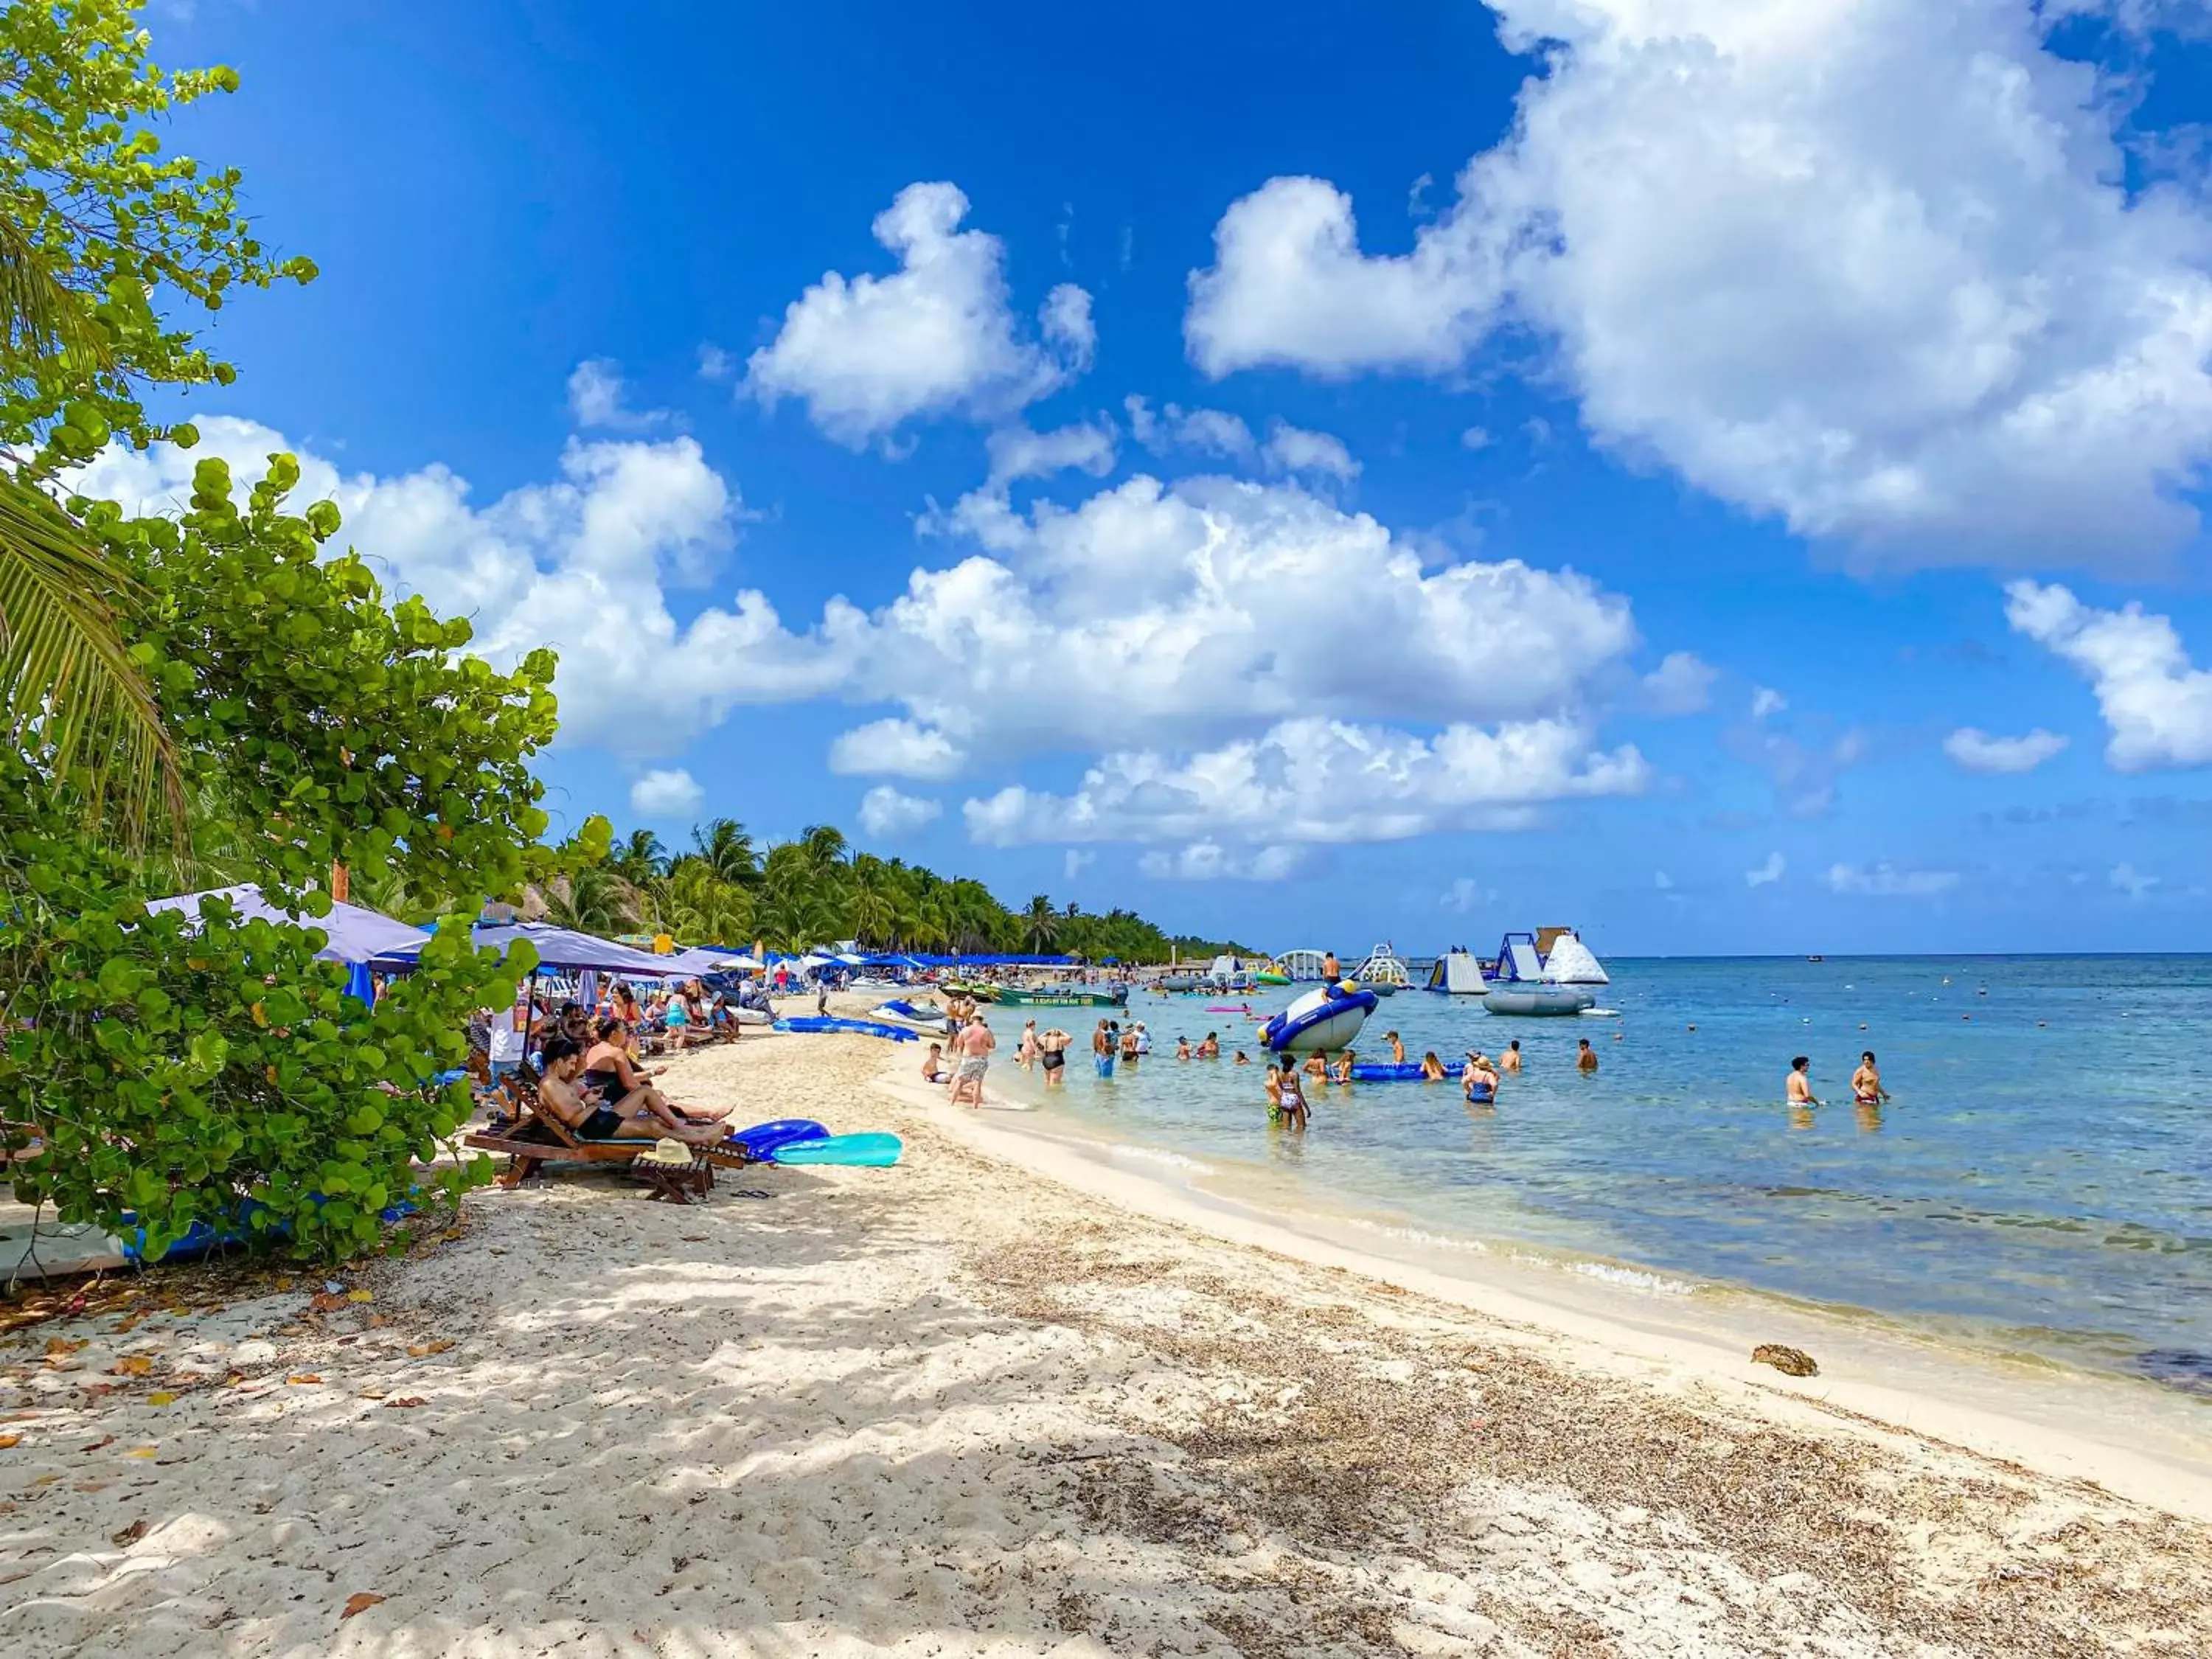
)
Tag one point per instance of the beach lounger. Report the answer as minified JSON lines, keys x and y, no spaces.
{"x":536,"y":1136}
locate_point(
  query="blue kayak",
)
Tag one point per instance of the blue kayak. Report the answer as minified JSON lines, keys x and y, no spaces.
{"x":871,"y":1150}
{"x":762,"y":1140}
{"x":831,"y":1022}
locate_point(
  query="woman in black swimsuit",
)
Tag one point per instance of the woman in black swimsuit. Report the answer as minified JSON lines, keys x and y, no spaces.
{"x":609,"y":1070}
{"x":561,"y":1092}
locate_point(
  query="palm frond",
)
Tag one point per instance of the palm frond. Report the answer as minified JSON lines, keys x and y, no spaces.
{"x":41,"y":315}
{"x":68,"y":691}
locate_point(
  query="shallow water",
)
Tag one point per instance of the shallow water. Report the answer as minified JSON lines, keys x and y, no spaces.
{"x":2039,"y":1182}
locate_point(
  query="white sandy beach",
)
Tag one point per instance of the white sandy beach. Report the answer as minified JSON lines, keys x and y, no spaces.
{"x":984,"y":1403}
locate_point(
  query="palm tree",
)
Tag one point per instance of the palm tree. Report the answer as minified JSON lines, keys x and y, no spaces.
{"x":824,"y":845}
{"x":640,"y":858}
{"x":1043,"y":922}
{"x":727,"y":850}
{"x":69,"y":692}
{"x":590,"y":902}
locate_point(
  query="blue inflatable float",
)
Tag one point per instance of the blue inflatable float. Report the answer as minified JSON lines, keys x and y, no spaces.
{"x":831,"y":1022}
{"x":1329,"y":1018}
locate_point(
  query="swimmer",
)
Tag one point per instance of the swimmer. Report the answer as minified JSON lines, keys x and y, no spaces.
{"x":1477,"y":1074}
{"x":1432,"y":1069}
{"x":1799,"y":1087}
{"x":1510,"y":1060}
{"x":1586,"y":1060}
{"x":1290,"y":1096}
{"x":1210,"y":1049}
{"x":1866,"y":1082}
{"x":1397,"y":1048}
{"x":1182,"y":1047}
{"x":1052,"y":1055}
{"x":1026,"y":1051}
{"x":1317,"y":1065}
{"x":1342,"y":1073}
{"x":1241,"y":1060}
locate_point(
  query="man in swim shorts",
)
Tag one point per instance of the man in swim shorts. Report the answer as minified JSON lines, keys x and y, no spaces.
{"x":1798,"y":1091}
{"x":1510,"y":1060}
{"x":974,"y":1046}
{"x":1102,"y":1049}
{"x":1052,"y":1055}
{"x":1586,"y":1060}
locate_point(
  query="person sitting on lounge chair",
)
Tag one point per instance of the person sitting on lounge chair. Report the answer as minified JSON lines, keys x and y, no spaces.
{"x":560,"y":1091}
{"x":609,"y":1071}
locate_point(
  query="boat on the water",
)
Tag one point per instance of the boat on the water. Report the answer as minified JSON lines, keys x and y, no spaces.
{"x":1063,"y":996}
{"x":1328,"y":1016}
{"x":1548,"y":972}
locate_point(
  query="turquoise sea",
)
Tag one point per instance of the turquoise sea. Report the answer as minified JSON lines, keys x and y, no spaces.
{"x":2041,"y":1183}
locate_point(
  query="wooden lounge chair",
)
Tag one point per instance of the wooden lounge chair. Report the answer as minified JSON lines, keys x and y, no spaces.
{"x":536,"y":1136}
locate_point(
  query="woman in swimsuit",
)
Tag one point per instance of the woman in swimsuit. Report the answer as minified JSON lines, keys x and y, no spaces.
{"x":1343,"y":1072}
{"x":1432,"y":1069}
{"x":1292,"y":1096}
{"x":561,"y":1093}
{"x":608,"y":1071}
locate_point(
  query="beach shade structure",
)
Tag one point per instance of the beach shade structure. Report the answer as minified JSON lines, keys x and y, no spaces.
{"x":687,"y":964}
{"x":736,"y":964}
{"x":356,"y":935}
{"x":560,"y":950}
{"x":810,"y":962}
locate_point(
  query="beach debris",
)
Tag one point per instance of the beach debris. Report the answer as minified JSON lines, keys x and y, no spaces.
{"x":1791,"y":1362}
{"x":361,"y":1601}
{"x":404,"y":1402}
{"x":7,"y":1441}
{"x":130,"y":1535}
{"x":424,"y":1349}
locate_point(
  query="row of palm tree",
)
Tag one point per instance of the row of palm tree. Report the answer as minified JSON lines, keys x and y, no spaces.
{"x":728,"y":889}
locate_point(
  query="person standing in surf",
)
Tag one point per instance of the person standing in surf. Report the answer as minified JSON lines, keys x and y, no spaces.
{"x":1798,"y":1091}
{"x":1102,"y":1049}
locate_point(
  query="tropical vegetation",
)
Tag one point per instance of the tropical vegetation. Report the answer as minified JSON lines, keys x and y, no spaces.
{"x":728,"y":888}
{"x":226,"y":689}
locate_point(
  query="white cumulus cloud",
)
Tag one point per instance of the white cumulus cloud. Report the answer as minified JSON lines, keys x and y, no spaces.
{"x":1765,"y":700}
{"x":2126,"y":878}
{"x":1294,"y":449}
{"x":895,"y":748}
{"x":667,"y":795}
{"x":1885,"y":881}
{"x":1878,"y":269}
{"x":1681,"y":684}
{"x":598,"y":398}
{"x":868,"y":352}
{"x":2157,"y":704}
{"x":577,"y":563}
{"x":1767,"y":873}
{"x":1209,"y":860}
{"x":1312,"y":780}
{"x":887,"y":814}
{"x":1977,"y":751}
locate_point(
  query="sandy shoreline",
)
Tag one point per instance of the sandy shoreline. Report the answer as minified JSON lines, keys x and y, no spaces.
{"x":960,"y":1407}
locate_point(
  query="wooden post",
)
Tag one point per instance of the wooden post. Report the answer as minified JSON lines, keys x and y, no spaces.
{"x":338,"y":884}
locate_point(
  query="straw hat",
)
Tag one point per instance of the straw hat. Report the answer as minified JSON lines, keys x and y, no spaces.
{"x":667,"y":1151}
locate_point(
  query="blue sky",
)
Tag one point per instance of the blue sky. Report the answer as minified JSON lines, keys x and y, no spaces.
{"x":1686,"y":479}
